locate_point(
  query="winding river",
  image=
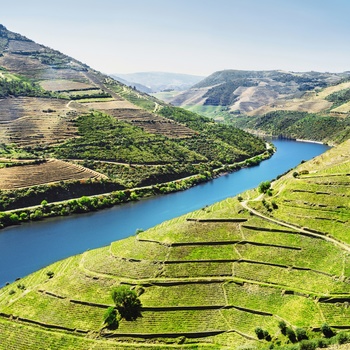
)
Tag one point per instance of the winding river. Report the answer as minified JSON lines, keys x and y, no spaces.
{"x":29,"y":247}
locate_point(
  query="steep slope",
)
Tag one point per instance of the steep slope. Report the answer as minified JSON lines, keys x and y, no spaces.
{"x":247,"y":91}
{"x":53,"y":106}
{"x":263,"y":101}
{"x":277,"y":261}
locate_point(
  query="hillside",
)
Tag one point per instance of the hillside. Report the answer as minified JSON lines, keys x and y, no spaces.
{"x":249,"y":99}
{"x":55,"y":107}
{"x":272,"y":262}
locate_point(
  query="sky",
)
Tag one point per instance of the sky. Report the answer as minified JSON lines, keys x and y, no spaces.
{"x":189,"y":36}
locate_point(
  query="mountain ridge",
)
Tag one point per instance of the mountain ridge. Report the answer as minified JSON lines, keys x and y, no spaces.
{"x":247,"y":98}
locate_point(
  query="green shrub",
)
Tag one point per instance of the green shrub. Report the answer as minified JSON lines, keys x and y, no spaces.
{"x":50,"y":274}
{"x":110,"y":318}
{"x":327,"y":331}
{"x":259,"y":332}
{"x":343,"y":338}
{"x":267,"y":335}
{"x":23,"y":217}
{"x":283,"y":327}
{"x":322,"y":343}
{"x":307,"y":345}
{"x":301,"y":334}
{"x":264,"y":186}
{"x":21,"y":286}
{"x":14,"y":219}
{"x":291,"y":335}
{"x":274,"y":204}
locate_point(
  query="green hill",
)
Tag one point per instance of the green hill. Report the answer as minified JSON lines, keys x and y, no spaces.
{"x":55,"y":107}
{"x":272,"y":262}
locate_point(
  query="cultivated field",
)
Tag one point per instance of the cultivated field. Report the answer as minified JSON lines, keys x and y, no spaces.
{"x":29,"y":121}
{"x":47,"y":172}
{"x":152,"y":123}
{"x":209,"y":278}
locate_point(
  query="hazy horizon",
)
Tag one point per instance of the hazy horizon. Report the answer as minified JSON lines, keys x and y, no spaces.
{"x":196,"y":37}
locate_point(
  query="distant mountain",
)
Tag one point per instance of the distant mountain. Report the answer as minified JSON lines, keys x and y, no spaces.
{"x":159,"y":81}
{"x":238,"y":96}
{"x":137,"y":86}
{"x":248,"y":91}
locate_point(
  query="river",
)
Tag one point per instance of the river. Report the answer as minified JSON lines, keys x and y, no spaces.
{"x":31,"y":246}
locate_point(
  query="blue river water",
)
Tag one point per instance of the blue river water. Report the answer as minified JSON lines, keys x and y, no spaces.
{"x":31,"y":246}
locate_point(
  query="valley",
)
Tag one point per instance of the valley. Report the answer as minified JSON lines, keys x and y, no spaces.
{"x":57,"y":108}
{"x":211,"y":237}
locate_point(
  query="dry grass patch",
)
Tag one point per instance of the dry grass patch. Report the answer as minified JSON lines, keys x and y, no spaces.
{"x":64,"y":85}
{"x":47,"y":172}
{"x":28,"y":121}
{"x":107,"y":106}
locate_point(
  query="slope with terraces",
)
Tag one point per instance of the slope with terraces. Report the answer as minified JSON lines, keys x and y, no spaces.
{"x":206,"y":279}
{"x":47,"y":98}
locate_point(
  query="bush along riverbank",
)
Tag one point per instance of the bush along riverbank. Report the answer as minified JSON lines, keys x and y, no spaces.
{"x":87,"y":204}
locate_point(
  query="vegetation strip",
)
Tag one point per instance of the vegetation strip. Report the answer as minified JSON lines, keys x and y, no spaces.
{"x":42,"y":324}
{"x":164,"y":335}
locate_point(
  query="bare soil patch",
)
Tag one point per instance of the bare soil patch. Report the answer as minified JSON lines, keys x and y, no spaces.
{"x":63,"y":85}
{"x":110,"y":105}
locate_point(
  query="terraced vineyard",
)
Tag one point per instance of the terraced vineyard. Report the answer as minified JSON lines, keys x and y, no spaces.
{"x":47,"y":172}
{"x":206,"y":279}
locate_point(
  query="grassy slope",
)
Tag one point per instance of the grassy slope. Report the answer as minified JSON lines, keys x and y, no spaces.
{"x":216,"y":276}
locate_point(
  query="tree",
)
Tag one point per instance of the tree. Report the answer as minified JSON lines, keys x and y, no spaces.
{"x":291,"y":335}
{"x":259,"y":332}
{"x":264,"y":186}
{"x":327,"y":331}
{"x":301,"y":334}
{"x":283,"y":327}
{"x":127,"y":302}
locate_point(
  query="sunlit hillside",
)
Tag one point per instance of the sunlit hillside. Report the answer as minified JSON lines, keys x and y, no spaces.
{"x":269,"y":267}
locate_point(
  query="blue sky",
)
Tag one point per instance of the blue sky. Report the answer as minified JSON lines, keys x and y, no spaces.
{"x":189,"y":36}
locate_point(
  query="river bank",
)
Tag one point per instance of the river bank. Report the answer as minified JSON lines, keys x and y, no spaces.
{"x":97,"y":202}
